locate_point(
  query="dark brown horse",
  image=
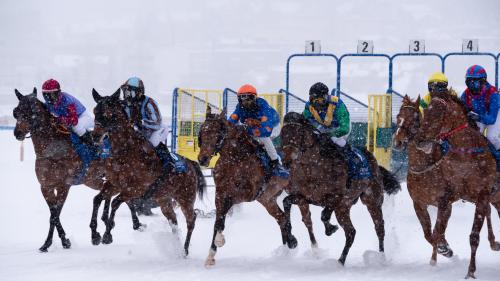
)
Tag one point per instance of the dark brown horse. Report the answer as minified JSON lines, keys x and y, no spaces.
{"x":424,"y":181}
{"x":239,"y":176}
{"x":467,"y":170}
{"x":134,"y":167}
{"x":319,"y":176}
{"x":57,"y":165}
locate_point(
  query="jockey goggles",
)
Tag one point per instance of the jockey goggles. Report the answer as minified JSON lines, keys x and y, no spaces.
{"x":437,"y":87}
{"x":130,"y":91}
{"x":246,"y":97}
{"x":474,"y":84}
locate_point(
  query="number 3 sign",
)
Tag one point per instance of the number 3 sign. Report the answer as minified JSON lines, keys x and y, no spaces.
{"x":417,"y":46}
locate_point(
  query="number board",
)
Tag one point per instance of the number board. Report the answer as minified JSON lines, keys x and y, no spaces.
{"x":470,"y":46}
{"x":313,"y":47}
{"x":365,"y":47}
{"x":417,"y":46}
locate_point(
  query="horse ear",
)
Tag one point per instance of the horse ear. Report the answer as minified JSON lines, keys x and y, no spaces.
{"x":223,"y":113}
{"x":116,"y":95}
{"x":18,"y":94}
{"x":34,"y":91}
{"x":96,"y":95}
{"x":209,"y":110}
{"x":418,"y":100}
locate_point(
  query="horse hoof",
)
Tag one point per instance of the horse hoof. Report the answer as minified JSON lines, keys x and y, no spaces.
{"x":219,"y":240}
{"x":107,"y":238}
{"x":445,"y":251}
{"x":209,"y":263}
{"x":43,"y":249}
{"x":470,"y":275}
{"x":96,"y":239}
{"x":331,"y":229}
{"x":140,"y":227}
{"x":496,"y":246}
{"x":292,"y":242}
{"x":433,"y":262}
{"x":66,"y":243}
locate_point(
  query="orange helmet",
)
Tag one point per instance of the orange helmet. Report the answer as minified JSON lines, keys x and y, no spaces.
{"x":247,"y":89}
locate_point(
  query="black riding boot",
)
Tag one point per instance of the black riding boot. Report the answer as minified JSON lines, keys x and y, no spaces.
{"x":164,"y":155}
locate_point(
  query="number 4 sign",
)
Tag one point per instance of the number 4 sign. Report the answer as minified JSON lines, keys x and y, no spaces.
{"x":470,"y":46}
{"x":417,"y":46}
{"x":313,"y":47}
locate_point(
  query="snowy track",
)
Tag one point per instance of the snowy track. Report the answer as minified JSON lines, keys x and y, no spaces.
{"x":252,"y":251}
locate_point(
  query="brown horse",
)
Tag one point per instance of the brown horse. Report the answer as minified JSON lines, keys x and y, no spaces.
{"x":135,"y":167}
{"x":424,"y":181}
{"x":319,"y":176}
{"x":467,"y":170}
{"x":239,"y":176}
{"x":57,"y":165}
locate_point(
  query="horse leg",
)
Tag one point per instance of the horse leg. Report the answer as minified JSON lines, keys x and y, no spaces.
{"x":425,"y":222}
{"x":438,"y":235}
{"x":306,"y":218}
{"x":495,"y":246}
{"x":218,"y":238}
{"x":190,"y":215}
{"x":374,"y":206}
{"x":287,"y":206}
{"x":136,"y":224}
{"x":107,"y":238}
{"x":105,"y":210}
{"x":285,"y":226}
{"x":326,"y":214}
{"x":342,"y":213}
{"x":96,"y":237}
{"x":168,"y":211}
{"x":482,"y":210}
{"x":61,"y":195}
{"x":48,"y":240}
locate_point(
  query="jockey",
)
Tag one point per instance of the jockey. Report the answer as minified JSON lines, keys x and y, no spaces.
{"x":69,"y":111}
{"x":146,"y":117}
{"x":482,"y":101}
{"x":328,"y":114}
{"x":262,"y":121}
{"x":437,"y":84}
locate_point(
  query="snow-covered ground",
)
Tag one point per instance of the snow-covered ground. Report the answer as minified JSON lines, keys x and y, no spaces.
{"x":252,"y":250}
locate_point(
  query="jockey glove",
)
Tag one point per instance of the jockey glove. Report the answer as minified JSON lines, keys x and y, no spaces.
{"x":473,"y":116}
{"x":253,"y":122}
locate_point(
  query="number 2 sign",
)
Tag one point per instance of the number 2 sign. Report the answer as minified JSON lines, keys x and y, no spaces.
{"x":365,"y":47}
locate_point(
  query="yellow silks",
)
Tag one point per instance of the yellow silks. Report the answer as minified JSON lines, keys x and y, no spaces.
{"x":328,"y":117}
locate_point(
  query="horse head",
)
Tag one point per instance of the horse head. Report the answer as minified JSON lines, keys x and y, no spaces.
{"x":109,"y":113}
{"x":408,"y":123}
{"x":296,"y":135}
{"x":28,"y":114}
{"x":212,"y":135}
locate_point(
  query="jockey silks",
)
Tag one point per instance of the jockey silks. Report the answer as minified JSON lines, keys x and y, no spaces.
{"x":267,"y":116}
{"x":339,"y":125}
{"x":67,"y":108}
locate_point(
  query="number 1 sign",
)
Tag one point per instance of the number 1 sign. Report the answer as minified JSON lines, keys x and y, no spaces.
{"x":313,"y":47}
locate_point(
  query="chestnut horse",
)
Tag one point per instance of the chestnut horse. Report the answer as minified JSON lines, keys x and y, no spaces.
{"x":322,"y":179}
{"x":467,"y":170}
{"x":135,"y":169}
{"x":57,"y":164}
{"x":424,"y":184}
{"x":239,"y":176}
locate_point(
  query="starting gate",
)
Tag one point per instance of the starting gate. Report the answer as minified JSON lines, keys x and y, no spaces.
{"x":379,"y":131}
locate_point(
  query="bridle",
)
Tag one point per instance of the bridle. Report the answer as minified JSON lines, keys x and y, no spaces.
{"x":221,"y":137}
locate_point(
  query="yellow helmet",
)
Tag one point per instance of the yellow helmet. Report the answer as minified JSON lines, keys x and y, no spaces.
{"x":438,"y":77}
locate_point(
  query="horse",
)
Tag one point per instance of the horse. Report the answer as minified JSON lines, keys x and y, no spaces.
{"x":135,"y":169}
{"x":319,"y":176}
{"x":467,"y":170}
{"x":239,"y":176}
{"x":57,"y":164}
{"x":424,"y":181}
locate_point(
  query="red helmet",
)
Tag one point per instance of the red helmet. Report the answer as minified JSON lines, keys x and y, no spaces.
{"x":247,"y":89}
{"x":50,"y":86}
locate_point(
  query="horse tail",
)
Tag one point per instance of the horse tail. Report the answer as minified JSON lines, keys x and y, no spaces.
{"x":391,"y":183}
{"x":201,"y":183}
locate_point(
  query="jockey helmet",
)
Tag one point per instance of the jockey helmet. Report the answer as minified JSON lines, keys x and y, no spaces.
{"x":51,"y":89}
{"x":247,"y":95}
{"x":318,"y":94}
{"x":475,"y":77}
{"x":438,"y":83}
{"x":133,"y":89}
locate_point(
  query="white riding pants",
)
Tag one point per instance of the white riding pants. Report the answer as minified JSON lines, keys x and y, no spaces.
{"x":85,"y":123}
{"x":492,"y":131}
{"x":267,"y":142}
{"x":159,"y":135}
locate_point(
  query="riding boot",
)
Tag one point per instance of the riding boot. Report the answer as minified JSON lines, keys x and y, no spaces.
{"x":277,"y":168}
{"x":164,"y":155}
{"x":88,"y":141}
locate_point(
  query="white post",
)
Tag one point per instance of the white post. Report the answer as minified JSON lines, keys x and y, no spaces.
{"x":21,"y":152}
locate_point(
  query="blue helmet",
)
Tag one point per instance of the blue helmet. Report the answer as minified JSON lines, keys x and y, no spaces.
{"x":476,"y":71}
